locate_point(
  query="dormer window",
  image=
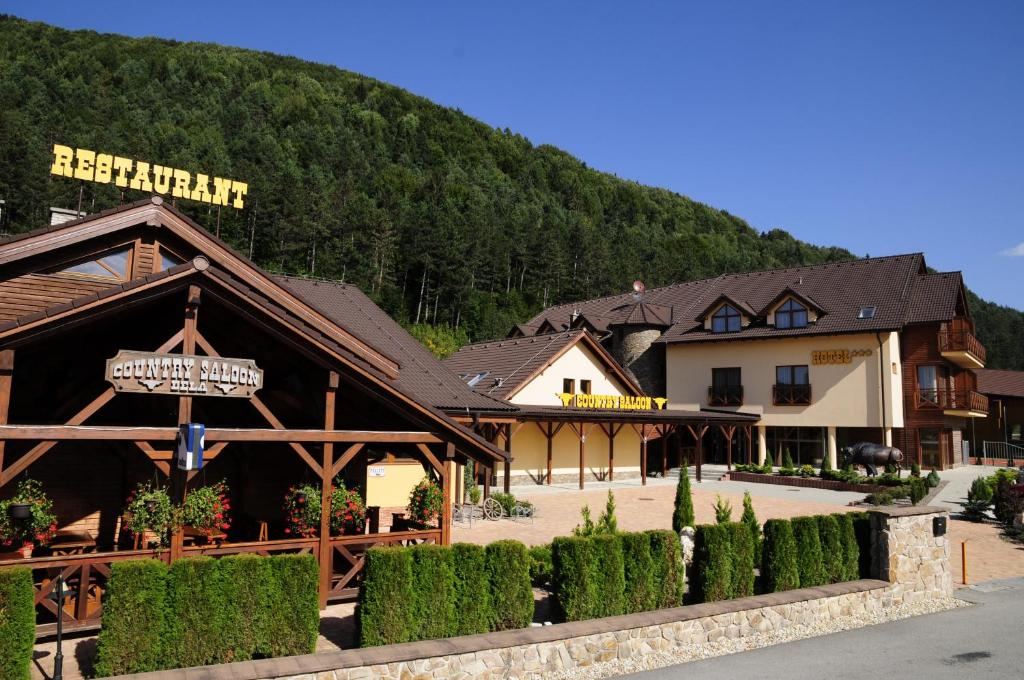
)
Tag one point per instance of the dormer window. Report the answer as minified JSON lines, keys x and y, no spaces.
{"x":726,"y":320}
{"x":791,"y":314}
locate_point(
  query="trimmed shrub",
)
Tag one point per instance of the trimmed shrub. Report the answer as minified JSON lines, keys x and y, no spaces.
{"x":433,"y":583}
{"x":508,"y":573}
{"x":17,"y":622}
{"x":134,"y":607}
{"x":830,"y":536}
{"x":742,"y":559}
{"x":979,"y":498}
{"x":682,"y":514}
{"x":540,"y":565}
{"x":295,"y":622}
{"x":851,"y":549}
{"x":196,"y":614}
{"x":779,"y":570}
{"x":915,"y":470}
{"x":572,"y":558}
{"x":808,"y":551}
{"x":932,"y":479}
{"x":669,"y":570}
{"x":609,"y":576}
{"x":826,"y":467}
{"x":750,"y":519}
{"x":712,"y":563}
{"x":472,"y":594}
{"x":723,"y":510}
{"x":918,"y":490}
{"x":251,"y":589}
{"x":385,"y":612}
{"x":638,"y":569}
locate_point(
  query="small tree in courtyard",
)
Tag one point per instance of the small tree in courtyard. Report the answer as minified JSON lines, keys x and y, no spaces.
{"x":682,"y":515}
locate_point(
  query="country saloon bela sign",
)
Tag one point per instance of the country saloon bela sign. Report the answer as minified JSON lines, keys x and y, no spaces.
{"x":183,"y":374}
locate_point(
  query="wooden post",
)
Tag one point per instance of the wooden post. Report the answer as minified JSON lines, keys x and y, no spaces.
{"x":446,"y":513}
{"x":326,"y":491}
{"x":643,"y":456}
{"x":508,"y":459}
{"x":750,"y":444}
{"x":728,"y":431}
{"x":179,"y":478}
{"x":6,"y":377}
{"x":612,"y":431}
{"x":488,"y":471}
{"x":550,"y":436}
{"x":698,"y":435}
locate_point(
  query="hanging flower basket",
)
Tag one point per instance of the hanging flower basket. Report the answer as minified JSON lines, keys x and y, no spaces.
{"x":149,"y":514}
{"x":27,"y":519}
{"x":208,"y":509}
{"x":302,"y":511}
{"x":348,"y":511}
{"x":425,"y":502}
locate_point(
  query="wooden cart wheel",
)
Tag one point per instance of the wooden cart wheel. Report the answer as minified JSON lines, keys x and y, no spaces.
{"x":493,"y":509}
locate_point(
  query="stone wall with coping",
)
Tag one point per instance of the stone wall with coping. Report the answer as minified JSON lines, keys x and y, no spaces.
{"x":906,"y":553}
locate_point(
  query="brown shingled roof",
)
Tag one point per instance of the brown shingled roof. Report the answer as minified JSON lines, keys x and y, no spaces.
{"x":1000,"y":383}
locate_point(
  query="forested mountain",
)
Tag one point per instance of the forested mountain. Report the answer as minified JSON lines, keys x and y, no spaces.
{"x":439,"y":217}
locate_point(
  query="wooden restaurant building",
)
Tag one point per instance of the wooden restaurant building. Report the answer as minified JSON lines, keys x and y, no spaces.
{"x":118,"y":327}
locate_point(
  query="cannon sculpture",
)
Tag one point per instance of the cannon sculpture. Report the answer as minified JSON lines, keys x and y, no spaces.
{"x":871,"y":455}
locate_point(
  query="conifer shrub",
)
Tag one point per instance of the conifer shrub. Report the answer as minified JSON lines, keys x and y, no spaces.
{"x":808,"y":551}
{"x":830,"y":536}
{"x":638,"y":571}
{"x":295,"y":621}
{"x":472,"y":594}
{"x":573,"y":578}
{"x":787,"y":467}
{"x":508,"y":573}
{"x":712,"y":563}
{"x":250,"y":587}
{"x":750,"y":520}
{"x":826,"y":467}
{"x":851,"y":549}
{"x":134,"y":610}
{"x":918,"y":490}
{"x":682,"y":515}
{"x":779,"y":569}
{"x":932,"y":479}
{"x":723,"y":510}
{"x":540,"y":565}
{"x":196,"y":614}
{"x":433,"y":586}
{"x":609,"y":575}
{"x":915,"y":470}
{"x":385,"y":612}
{"x":669,"y":570}
{"x":17,"y":623}
{"x":743,"y":562}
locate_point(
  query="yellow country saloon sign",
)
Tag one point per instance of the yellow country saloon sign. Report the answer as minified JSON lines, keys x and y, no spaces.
{"x":611,"y":402}
{"x":105,"y":168}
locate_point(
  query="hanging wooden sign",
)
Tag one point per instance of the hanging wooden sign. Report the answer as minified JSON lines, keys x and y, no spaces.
{"x":183,"y":374}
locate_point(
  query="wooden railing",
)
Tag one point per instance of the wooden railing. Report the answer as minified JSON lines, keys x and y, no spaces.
{"x":728,"y":395}
{"x":791,"y":395}
{"x":947,"y":399}
{"x":961,"y":340}
{"x":348,"y":555}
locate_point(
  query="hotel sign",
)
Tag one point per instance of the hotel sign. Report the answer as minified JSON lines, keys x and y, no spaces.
{"x":105,"y":168}
{"x":837,"y":356}
{"x":611,"y":402}
{"x":183,"y":375}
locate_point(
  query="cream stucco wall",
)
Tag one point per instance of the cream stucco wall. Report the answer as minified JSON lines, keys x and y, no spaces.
{"x":578,"y":363}
{"x":393,"y":489}
{"x":843,"y":395}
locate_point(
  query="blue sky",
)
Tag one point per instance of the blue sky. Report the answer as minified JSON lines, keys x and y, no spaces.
{"x":884,"y":127}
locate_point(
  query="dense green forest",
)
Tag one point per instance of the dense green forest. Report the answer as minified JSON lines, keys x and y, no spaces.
{"x":440,"y":218}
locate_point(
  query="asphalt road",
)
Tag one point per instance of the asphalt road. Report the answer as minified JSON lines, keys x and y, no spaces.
{"x":983,"y":641}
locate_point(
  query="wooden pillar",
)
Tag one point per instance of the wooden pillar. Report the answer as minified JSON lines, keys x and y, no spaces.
{"x":550,"y":434}
{"x":508,"y":459}
{"x":750,"y":445}
{"x":488,"y":471}
{"x":728,"y":431}
{"x":612,"y":431}
{"x":700,"y":452}
{"x":179,"y":478}
{"x":326,"y":490}
{"x":643,"y":455}
{"x":583,"y":451}
{"x":6,"y":377}
{"x":446,"y":513}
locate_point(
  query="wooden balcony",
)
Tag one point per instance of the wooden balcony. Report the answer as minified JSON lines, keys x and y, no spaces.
{"x":961,"y":347}
{"x":963,"y":403}
{"x":791,"y":395}
{"x":729,"y":395}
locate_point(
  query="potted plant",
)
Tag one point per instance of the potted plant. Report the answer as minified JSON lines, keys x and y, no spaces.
{"x":425,"y":502}
{"x":27,"y":519}
{"x":348,"y":511}
{"x":149,"y":513}
{"x":207,"y":509}
{"x":302,"y":511}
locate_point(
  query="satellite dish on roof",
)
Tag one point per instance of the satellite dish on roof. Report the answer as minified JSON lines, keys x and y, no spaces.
{"x":638,"y":289}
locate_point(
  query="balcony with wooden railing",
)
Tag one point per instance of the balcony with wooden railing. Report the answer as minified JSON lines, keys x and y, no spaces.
{"x":963,"y":403}
{"x":725,"y":395}
{"x":959,"y":346}
{"x":791,"y":395}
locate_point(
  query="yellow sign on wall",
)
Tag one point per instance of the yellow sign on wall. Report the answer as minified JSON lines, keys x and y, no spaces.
{"x":126,"y":173}
{"x":837,"y":356}
{"x":611,"y":402}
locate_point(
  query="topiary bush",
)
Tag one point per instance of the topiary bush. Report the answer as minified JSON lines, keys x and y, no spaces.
{"x":779,"y":569}
{"x":933,"y":479}
{"x":384,"y":615}
{"x":641,"y":592}
{"x":669,"y":570}
{"x":808,"y":551}
{"x":723,"y":510}
{"x":249,"y":585}
{"x":918,"y":490}
{"x":296,"y":615}
{"x":743,"y":561}
{"x":608,"y":575}
{"x":682,"y":512}
{"x":540,"y":565}
{"x":472,"y":594}
{"x":573,"y":579}
{"x":979,"y":498}
{"x":712,"y":563}
{"x":17,"y":622}
{"x":915,"y":470}
{"x":508,"y":573}
{"x":851,"y":549}
{"x":750,"y":520}
{"x":196,"y":614}
{"x":134,"y":610}
{"x":433,"y":607}
{"x":830,"y":536}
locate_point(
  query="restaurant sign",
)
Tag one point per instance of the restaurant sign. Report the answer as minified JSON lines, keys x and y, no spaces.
{"x":612,"y":402}
{"x":183,"y":374}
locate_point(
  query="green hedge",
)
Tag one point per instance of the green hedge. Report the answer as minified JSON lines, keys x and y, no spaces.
{"x":669,"y":571}
{"x":196,"y":607}
{"x":472,"y":598}
{"x":808,"y":551}
{"x":638,"y":571}
{"x":249,"y":584}
{"x":779,"y":570}
{"x":134,"y":606}
{"x":295,"y":620}
{"x":17,"y":623}
{"x":572,"y":559}
{"x":830,"y":536}
{"x":433,"y":585}
{"x":743,"y":559}
{"x":385,"y":612}
{"x":712,"y":563}
{"x":508,"y":573}
{"x":540,"y":565}
{"x":851,"y":549}
{"x":609,"y":575}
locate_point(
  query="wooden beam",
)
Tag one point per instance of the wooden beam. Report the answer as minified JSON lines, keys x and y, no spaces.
{"x":728,"y":431}
{"x":326,"y":557}
{"x":431,"y":458}
{"x":213,"y":434}
{"x":446,"y":484}
{"x":179,"y":478}
{"x":351,"y":452}
{"x":6,"y":378}
{"x":698,"y":435}
{"x":508,"y":458}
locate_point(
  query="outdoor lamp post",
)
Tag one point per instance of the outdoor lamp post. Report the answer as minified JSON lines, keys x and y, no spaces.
{"x":58,"y":658}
